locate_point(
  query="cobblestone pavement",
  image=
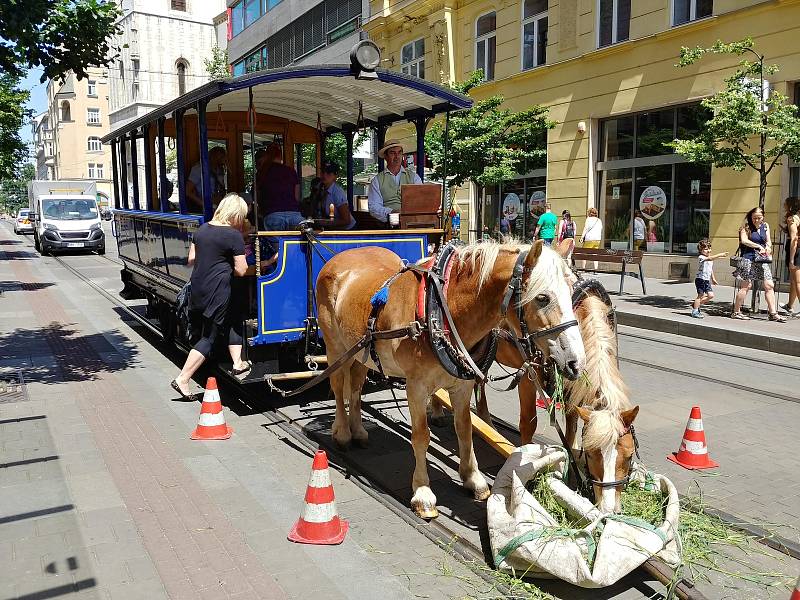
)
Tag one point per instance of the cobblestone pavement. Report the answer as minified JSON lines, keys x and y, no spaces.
{"x":103,"y":495}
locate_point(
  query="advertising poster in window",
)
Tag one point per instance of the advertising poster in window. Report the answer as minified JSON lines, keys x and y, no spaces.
{"x":511,"y":206}
{"x":653,"y":202}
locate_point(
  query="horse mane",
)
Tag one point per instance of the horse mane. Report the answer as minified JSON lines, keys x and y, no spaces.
{"x":602,"y":387}
{"x":603,"y":430}
{"x":548,"y":272}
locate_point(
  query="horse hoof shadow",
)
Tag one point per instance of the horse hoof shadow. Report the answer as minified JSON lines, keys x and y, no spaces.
{"x":360,"y":443}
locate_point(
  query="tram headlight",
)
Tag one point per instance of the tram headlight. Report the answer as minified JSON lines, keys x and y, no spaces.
{"x":365,"y":57}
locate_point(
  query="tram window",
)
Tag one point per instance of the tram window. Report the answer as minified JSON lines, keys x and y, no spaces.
{"x":218,"y":166}
{"x":171,"y":183}
{"x":262,"y":140}
{"x":305,"y":157}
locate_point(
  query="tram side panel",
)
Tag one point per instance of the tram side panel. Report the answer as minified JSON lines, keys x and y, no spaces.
{"x":283,"y":295}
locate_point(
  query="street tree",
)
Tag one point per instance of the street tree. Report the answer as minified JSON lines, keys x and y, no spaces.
{"x":14,"y":192}
{"x":487,"y":143}
{"x":749,"y":126}
{"x":217,"y":65}
{"x":13,"y":114}
{"x":57,"y":35}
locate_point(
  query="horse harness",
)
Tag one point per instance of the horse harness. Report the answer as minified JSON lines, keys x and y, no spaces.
{"x":437,"y":323}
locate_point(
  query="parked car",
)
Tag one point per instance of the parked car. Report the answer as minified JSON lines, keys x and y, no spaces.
{"x":22,"y":224}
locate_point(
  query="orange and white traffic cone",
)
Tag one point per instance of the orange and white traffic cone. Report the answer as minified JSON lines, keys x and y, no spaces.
{"x":211,"y":425}
{"x":796,"y":593}
{"x":693,"y":453}
{"x":320,"y":523}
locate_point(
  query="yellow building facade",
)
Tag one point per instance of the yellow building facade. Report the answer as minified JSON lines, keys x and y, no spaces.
{"x":606,"y":71}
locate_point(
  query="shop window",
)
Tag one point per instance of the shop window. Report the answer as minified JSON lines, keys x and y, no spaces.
{"x":616,"y":137}
{"x":614,"y":20}
{"x":794,"y":167}
{"x":534,"y":33}
{"x":653,"y":131}
{"x":692,"y":207}
{"x":616,"y":194}
{"x":412,"y":59}
{"x":486,"y":44}
{"x":684,"y":11}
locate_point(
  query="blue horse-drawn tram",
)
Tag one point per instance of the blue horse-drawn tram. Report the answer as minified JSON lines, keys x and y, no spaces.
{"x":157,"y":213}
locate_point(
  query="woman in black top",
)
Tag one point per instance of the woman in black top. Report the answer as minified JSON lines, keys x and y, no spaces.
{"x":217,"y":253}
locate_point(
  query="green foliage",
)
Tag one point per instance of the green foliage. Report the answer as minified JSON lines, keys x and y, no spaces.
{"x":58,"y":35}
{"x":336,"y":151}
{"x":14,"y":192}
{"x":217,"y":66}
{"x":744,"y":130}
{"x":13,"y":115}
{"x":487,"y":143}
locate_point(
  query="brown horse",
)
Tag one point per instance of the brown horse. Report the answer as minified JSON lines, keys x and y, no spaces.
{"x":478,"y":282}
{"x":599,"y":398}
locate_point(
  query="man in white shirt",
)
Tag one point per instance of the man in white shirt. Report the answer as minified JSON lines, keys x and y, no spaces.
{"x":384,"y":190}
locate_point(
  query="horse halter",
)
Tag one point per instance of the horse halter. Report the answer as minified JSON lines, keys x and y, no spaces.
{"x":630,"y":430}
{"x":514,"y":291}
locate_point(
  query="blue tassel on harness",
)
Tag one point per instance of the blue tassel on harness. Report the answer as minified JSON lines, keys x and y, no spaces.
{"x":380,"y":297}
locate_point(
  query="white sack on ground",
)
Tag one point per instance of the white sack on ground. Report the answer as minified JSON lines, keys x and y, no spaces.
{"x":525,"y":538}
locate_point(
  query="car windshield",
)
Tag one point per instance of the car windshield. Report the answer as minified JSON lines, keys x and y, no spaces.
{"x":69,"y":210}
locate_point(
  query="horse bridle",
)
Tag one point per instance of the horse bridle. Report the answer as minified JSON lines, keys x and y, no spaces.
{"x":630,"y":430}
{"x":525,"y":341}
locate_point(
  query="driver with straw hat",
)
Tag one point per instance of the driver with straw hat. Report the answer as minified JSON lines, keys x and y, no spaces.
{"x":384,"y":190}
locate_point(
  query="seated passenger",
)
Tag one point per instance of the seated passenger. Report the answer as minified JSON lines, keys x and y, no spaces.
{"x":194,"y":186}
{"x":335,"y":195}
{"x":278,"y":193}
{"x":384,"y":189}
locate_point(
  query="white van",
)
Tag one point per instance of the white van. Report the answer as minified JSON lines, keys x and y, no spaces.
{"x":65,"y":217}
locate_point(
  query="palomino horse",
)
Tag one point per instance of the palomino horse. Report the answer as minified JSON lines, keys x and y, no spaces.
{"x":599,"y":398}
{"x":478,"y":282}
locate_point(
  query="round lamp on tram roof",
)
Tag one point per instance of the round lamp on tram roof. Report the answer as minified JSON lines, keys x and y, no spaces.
{"x":365,"y":57}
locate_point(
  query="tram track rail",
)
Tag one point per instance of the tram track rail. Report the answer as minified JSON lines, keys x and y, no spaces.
{"x":436,"y":530}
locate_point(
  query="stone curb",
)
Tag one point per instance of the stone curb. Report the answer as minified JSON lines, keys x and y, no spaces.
{"x":779,"y":345}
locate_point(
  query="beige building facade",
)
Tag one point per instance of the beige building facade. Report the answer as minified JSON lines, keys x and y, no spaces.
{"x":606,"y":71}
{"x":69,"y":142}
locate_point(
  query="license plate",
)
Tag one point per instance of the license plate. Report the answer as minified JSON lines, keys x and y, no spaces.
{"x":75,"y":245}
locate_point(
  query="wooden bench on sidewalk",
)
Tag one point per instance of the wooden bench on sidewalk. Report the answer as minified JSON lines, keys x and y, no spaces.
{"x":620,"y":257}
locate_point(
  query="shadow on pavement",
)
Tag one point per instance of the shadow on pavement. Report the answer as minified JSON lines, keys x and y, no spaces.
{"x":17,"y":286}
{"x":57,"y":354}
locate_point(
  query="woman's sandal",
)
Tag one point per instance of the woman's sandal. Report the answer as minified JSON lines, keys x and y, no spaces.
{"x":740,"y":316}
{"x":174,"y":385}
{"x":776,"y":317}
{"x":248,"y":365}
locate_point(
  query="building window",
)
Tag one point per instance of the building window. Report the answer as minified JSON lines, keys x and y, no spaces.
{"x":684,"y":11}
{"x":178,"y":5}
{"x":412,"y":59}
{"x":95,"y":170}
{"x":614,"y":22}
{"x":238,"y":68}
{"x":253,"y":62}
{"x":650,"y":197}
{"x":181,"y":68}
{"x":252,"y":11}
{"x":91,"y":88}
{"x":237,"y":19}
{"x":66,"y":115}
{"x":534,"y":33}
{"x":93,"y":116}
{"x":94,"y":144}
{"x":273,"y":3}
{"x":485,"y":44}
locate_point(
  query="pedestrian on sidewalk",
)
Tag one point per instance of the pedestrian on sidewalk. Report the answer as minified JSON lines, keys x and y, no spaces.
{"x":592,"y":233}
{"x":705,"y":276}
{"x":639,"y":231}
{"x":755,"y":248}
{"x":217,"y":254}
{"x":546,"y":226}
{"x":791,"y":226}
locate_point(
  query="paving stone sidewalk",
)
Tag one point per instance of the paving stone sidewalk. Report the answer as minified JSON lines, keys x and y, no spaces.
{"x":103,"y":495}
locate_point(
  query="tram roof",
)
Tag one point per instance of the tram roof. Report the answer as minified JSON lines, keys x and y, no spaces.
{"x":304,"y":93}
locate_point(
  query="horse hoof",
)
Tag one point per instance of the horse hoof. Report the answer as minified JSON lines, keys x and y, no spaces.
{"x":482,"y":494}
{"x":426,"y":512}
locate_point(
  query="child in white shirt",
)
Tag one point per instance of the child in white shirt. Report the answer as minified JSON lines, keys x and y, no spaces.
{"x":705,"y":276}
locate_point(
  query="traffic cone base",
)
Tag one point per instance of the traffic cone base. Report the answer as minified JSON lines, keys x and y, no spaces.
{"x":320,"y":523}
{"x":211,"y":424}
{"x":796,"y":592}
{"x":693,"y":452}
